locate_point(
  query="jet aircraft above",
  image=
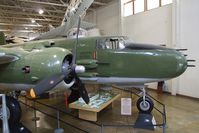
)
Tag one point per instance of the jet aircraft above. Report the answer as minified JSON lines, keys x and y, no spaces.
{"x":72,"y":14}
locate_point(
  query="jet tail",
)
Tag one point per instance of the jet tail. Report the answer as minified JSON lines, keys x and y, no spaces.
{"x":2,"y":39}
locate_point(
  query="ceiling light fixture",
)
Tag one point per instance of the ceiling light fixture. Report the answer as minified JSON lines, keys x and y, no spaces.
{"x":41,"y":11}
{"x":72,"y":9}
{"x":33,"y":21}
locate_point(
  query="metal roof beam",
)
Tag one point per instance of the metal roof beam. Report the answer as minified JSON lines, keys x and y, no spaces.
{"x":44,"y":3}
{"x":23,"y":25}
{"x":23,"y":31}
{"x":27,"y":13}
{"x":32,"y":9}
{"x":24,"y":18}
{"x":27,"y":22}
{"x":54,"y":4}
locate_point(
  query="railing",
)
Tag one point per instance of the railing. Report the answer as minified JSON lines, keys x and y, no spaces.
{"x":98,"y":124}
{"x":58,"y":111}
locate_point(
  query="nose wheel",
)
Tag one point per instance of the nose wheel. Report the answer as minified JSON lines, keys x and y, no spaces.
{"x":145,"y":106}
{"x":144,"y":103}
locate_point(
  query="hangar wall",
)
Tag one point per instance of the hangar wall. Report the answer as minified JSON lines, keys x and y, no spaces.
{"x":161,"y":27}
{"x":185,"y":35}
{"x":153,"y":26}
{"x":106,"y":18}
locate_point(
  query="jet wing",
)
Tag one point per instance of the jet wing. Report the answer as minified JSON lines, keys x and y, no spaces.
{"x":75,"y":10}
{"x":62,"y":31}
{"x":5,"y":59}
{"x":54,"y":33}
{"x":70,"y":19}
{"x":85,"y":25}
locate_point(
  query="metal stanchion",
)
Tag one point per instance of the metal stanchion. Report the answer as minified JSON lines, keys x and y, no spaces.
{"x":58,"y":130}
{"x":26,"y":101}
{"x":35,"y":118}
{"x":102,"y":128}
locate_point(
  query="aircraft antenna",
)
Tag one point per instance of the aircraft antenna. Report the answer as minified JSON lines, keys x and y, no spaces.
{"x":77,"y":41}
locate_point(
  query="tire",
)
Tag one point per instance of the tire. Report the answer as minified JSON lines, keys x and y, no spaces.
{"x":14,"y":111}
{"x":148,"y":106}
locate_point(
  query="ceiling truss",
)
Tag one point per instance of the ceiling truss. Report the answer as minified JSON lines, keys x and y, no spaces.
{"x":16,"y":15}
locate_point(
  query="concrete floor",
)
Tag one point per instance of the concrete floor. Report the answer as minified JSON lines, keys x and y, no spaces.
{"x":182,"y":116}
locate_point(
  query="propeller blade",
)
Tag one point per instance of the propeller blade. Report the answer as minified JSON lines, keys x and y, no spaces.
{"x":74,"y":96}
{"x":46,"y":84}
{"x":82,"y":90}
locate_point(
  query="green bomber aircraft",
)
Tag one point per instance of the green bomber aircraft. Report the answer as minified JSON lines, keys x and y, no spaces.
{"x":42,"y":65}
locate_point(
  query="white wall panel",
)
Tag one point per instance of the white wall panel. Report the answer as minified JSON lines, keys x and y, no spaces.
{"x":187,"y":21}
{"x":153,"y":26}
{"x":108,"y":19}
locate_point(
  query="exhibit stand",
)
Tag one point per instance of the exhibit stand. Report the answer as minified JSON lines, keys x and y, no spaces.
{"x":145,"y":121}
{"x":89,"y":112}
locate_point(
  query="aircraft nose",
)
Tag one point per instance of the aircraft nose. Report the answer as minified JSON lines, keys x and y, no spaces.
{"x":181,"y":63}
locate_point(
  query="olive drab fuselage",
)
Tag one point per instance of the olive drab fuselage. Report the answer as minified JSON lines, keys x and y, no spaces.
{"x":134,"y":60}
{"x":101,"y":56}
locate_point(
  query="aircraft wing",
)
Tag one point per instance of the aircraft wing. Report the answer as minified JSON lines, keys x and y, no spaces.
{"x":85,"y":25}
{"x":70,"y":19}
{"x":6,"y":58}
{"x":51,"y":34}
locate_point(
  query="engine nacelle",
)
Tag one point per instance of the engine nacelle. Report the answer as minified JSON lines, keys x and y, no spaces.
{"x":34,"y":66}
{"x":42,"y":63}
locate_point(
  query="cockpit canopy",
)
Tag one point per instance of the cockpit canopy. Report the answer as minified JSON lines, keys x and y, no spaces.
{"x":119,"y":43}
{"x":111,"y":43}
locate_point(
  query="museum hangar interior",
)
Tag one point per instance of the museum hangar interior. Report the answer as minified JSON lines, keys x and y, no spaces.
{"x":109,"y":66}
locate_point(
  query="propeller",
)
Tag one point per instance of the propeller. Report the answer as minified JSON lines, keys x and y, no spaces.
{"x":81,"y":88}
{"x":71,"y":70}
{"x":81,"y":92}
{"x":47,"y":84}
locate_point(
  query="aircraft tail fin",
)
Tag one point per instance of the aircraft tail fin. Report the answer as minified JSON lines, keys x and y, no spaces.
{"x":2,"y":39}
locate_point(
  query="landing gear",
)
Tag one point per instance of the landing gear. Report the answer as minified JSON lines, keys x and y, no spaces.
{"x":145,"y":106}
{"x":13,"y":111}
{"x":144,"y":103}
